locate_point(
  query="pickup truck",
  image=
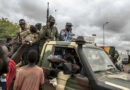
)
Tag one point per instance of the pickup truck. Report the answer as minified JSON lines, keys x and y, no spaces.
{"x":97,"y":70}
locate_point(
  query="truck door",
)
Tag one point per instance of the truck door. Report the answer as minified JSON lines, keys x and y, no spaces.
{"x":45,"y":64}
{"x":46,"y":51}
{"x":75,"y":81}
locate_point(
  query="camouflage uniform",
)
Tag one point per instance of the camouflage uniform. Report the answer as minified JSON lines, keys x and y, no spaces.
{"x":33,"y":38}
{"x":47,"y":32}
{"x":23,"y":33}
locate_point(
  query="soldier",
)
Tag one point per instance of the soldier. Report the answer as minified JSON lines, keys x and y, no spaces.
{"x":32,"y":37}
{"x":39,"y":27}
{"x":24,"y":30}
{"x":49,"y":32}
{"x":66,"y":34}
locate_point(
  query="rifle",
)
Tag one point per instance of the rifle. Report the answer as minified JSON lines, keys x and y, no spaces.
{"x":18,"y":54}
{"x":47,"y":16}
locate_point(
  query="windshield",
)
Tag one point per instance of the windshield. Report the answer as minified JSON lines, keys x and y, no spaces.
{"x":98,"y":59}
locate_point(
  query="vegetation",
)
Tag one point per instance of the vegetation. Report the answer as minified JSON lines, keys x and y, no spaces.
{"x":7,"y":29}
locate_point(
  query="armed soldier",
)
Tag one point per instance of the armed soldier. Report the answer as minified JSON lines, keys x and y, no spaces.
{"x":24,"y":30}
{"x":49,"y":32}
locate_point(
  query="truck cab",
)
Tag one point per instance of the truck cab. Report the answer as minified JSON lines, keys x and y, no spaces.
{"x":97,"y":72}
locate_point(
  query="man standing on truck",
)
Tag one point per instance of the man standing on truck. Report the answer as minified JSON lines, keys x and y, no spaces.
{"x":29,"y":77}
{"x":24,"y":30}
{"x":32,"y":37}
{"x":66,"y":34}
{"x":49,"y":32}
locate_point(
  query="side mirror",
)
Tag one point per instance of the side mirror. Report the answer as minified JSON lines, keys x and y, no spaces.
{"x":67,"y":68}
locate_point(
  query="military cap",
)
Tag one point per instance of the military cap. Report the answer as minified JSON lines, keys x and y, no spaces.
{"x":51,"y":19}
{"x":38,"y":24}
{"x":69,"y":24}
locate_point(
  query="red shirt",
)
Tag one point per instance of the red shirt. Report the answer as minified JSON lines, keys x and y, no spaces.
{"x":11,"y":73}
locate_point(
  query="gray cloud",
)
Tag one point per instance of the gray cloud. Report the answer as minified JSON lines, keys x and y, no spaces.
{"x":87,"y":16}
{"x":33,"y":9}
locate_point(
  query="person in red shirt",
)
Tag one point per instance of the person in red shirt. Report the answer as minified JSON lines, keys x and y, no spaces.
{"x":11,"y":73}
{"x":11,"y":67}
{"x":3,"y":68}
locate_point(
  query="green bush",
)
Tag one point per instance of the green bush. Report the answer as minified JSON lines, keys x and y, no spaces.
{"x":7,"y":29}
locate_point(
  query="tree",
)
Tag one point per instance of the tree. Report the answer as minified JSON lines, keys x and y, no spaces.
{"x":7,"y":29}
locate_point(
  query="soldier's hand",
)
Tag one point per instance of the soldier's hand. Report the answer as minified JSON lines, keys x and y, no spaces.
{"x":75,"y":67}
{"x":27,"y":43}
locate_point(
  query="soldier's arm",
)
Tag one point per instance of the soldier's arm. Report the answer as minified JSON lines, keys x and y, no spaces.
{"x":24,"y":33}
{"x":53,"y":59}
{"x":43,"y":33}
{"x":76,"y":68}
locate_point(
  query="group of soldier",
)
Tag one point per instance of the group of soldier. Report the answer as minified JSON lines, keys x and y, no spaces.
{"x":37,"y":35}
{"x":40,"y":34}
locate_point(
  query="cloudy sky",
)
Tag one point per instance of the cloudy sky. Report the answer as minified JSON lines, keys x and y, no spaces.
{"x":87,"y":16}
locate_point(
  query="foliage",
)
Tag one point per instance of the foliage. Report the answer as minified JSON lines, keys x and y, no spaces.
{"x":7,"y":29}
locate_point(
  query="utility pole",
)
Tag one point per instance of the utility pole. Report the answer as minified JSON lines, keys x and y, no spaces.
{"x":103,"y":33}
